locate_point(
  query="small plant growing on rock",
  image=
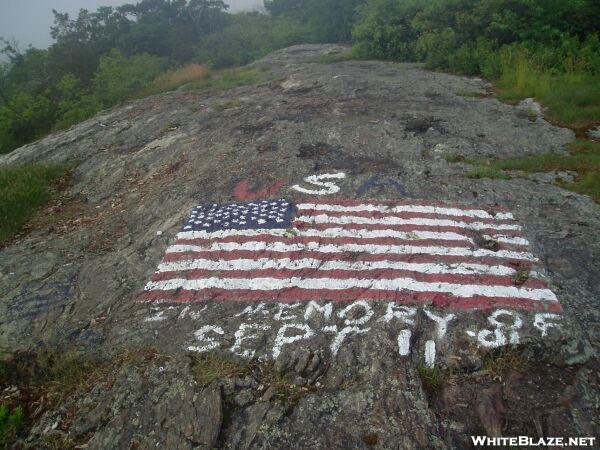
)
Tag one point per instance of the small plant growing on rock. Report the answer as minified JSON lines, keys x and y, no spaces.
{"x":431,"y":377}
{"x":211,"y":366}
{"x":11,"y":422}
{"x":500,"y":361}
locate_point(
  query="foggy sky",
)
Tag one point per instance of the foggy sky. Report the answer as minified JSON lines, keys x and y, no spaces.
{"x":29,"y":21}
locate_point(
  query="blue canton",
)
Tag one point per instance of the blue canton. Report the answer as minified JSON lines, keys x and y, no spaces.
{"x":241,"y":216}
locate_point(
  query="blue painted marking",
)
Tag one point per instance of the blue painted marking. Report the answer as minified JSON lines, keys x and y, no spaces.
{"x":380,"y":183}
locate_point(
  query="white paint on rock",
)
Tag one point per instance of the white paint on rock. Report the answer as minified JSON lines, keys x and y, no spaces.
{"x":404,"y":342}
{"x":314,"y":307}
{"x":477,"y":213}
{"x":368,"y":313}
{"x":342,"y":220}
{"x":373,"y":249}
{"x":209,"y":342}
{"x":391,"y":284}
{"x":441,"y":322}
{"x":542,"y":322}
{"x":329,"y":186}
{"x":497,"y":337}
{"x":282,"y":339}
{"x":402,"y":313}
{"x":284,"y":308}
{"x":340,"y":336}
{"x":430,"y":354}
{"x":242,"y":335}
{"x":317,"y":264}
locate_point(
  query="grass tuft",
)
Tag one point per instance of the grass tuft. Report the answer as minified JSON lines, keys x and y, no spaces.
{"x":228,"y":79}
{"x":332,"y":58}
{"x":224,"y":106}
{"x":572,"y":99}
{"x":211,"y":366}
{"x":174,"y":79}
{"x":23,"y":189}
{"x":458,"y":158}
{"x":479,"y":172}
{"x":503,"y":359}
{"x":583,"y":158}
{"x":11,"y":423}
{"x":431,"y":377}
{"x":472,"y":94}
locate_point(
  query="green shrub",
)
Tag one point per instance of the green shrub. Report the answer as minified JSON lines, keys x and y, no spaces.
{"x":23,"y":189}
{"x":11,"y":422}
{"x":249,"y":37}
{"x":119,"y":76}
{"x":384,"y":30}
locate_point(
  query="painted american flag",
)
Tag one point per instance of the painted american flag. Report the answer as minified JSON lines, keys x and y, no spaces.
{"x":410,"y":252}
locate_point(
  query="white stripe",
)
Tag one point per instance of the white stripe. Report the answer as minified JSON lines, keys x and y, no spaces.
{"x":480,"y":213}
{"x":358,"y":248}
{"x":395,"y":284}
{"x":317,"y":264}
{"x":322,"y":218}
{"x":508,"y":240}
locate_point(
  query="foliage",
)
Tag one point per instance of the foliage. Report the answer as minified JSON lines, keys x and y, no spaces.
{"x":174,"y":79}
{"x":23,"y":189}
{"x":11,"y":422}
{"x":103,"y":57}
{"x":501,"y":360}
{"x":572,"y":98}
{"x":119,"y":76}
{"x":333,"y":58}
{"x":224,"y":106}
{"x":325,"y":20}
{"x":549,"y":50}
{"x":384,"y":30}
{"x":485,"y":171}
{"x":583,"y":158}
{"x":431,"y":377}
{"x":211,"y":366}
{"x":464,"y":35}
{"x":223,"y":80}
{"x":248,"y":37}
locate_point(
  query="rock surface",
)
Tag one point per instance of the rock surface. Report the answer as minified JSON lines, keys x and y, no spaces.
{"x":143,"y":166}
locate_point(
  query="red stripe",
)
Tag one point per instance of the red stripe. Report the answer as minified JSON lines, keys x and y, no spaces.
{"x":269,"y":238}
{"x":403,"y":215}
{"x":342,"y":256}
{"x":373,"y":274}
{"x":441,"y":300}
{"x":407,"y":228}
{"x":356,"y":202}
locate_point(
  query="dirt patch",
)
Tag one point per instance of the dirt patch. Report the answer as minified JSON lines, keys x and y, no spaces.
{"x":514,"y":395}
{"x":313,"y":150}
{"x":267,"y":147}
{"x":256,"y":128}
{"x":420,"y":125}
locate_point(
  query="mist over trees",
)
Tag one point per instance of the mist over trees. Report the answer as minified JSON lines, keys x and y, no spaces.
{"x":103,"y":57}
